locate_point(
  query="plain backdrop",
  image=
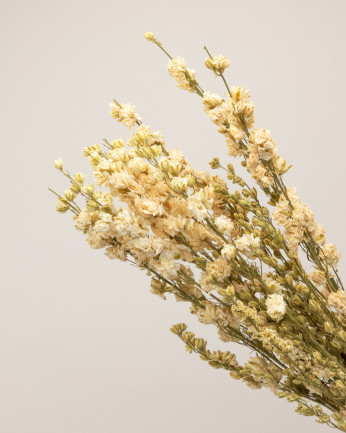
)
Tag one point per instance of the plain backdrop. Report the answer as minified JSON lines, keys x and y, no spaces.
{"x":84,"y":346}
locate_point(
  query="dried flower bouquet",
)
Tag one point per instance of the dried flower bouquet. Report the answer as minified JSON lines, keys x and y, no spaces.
{"x":236,"y":262}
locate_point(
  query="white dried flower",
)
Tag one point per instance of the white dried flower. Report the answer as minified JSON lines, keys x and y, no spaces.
{"x":337,"y":300}
{"x":58,"y":164}
{"x":186,"y":78}
{"x":276,"y":306}
{"x":228,"y":252}
{"x":248,"y":245}
{"x":126,"y":114}
{"x":224,"y":225}
{"x":217,"y":64}
{"x":330,"y":254}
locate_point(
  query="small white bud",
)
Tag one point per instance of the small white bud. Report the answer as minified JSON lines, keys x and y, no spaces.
{"x":58,"y":164}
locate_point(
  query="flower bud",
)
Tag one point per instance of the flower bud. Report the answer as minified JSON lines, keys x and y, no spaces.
{"x":62,"y":205}
{"x":328,"y":327}
{"x":116,"y":144}
{"x":301,"y":288}
{"x":156,"y":150}
{"x":230,"y":291}
{"x":58,"y":164}
{"x":209,"y":63}
{"x":214,"y":163}
{"x":191,"y":180}
{"x":80,"y":178}
{"x":70,"y":195}
{"x":75,"y":188}
{"x":288,"y":279}
{"x":149,"y":36}
{"x":174,"y":168}
{"x":314,"y":305}
{"x":336,"y":344}
{"x":342,"y":335}
{"x":296,"y":300}
{"x":88,"y":189}
{"x":92,"y":205}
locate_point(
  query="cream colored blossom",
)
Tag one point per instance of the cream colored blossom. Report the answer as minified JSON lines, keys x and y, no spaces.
{"x":294,"y":234}
{"x":103,"y":224}
{"x":244,"y":109}
{"x":272,"y":284}
{"x":186,"y":78}
{"x":337,"y":300}
{"x":261,"y":142}
{"x":215,"y":314}
{"x":228,"y":252}
{"x":116,"y":252}
{"x":330,"y":254}
{"x":261,"y":148}
{"x":298,"y":219}
{"x":96,"y":240}
{"x":167,"y":266}
{"x":179,"y":184}
{"x":248,"y":245}
{"x":230,"y":115}
{"x":58,"y":164}
{"x":126,"y":114}
{"x":276,"y":306}
{"x":206,"y":283}
{"x":122,"y":224}
{"x":62,"y":206}
{"x":217,"y":108}
{"x":220,"y":267}
{"x":148,"y":207}
{"x":199,"y":204}
{"x":193,"y":236}
{"x":217,"y":64}
{"x":224,"y":225}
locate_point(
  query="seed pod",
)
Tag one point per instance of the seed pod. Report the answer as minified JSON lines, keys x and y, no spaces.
{"x":342,"y":335}
{"x":230,"y":291}
{"x":328,"y":327}
{"x":259,"y":213}
{"x":289,"y":279}
{"x":296,"y":300}
{"x":265,"y":212}
{"x":273,"y":262}
{"x":336,"y":344}
{"x":314,"y":305}
{"x":301,"y":288}
{"x":253,"y":192}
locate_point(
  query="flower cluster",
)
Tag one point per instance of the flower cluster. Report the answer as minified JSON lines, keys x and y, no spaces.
{"x":217,"y":64}
{"x":186,"y":78}
{"x":126,"y":114}
{"x":233,"y":115}
{"x":216,"y":247}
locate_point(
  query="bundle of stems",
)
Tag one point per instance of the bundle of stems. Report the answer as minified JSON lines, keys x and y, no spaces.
{"x":211,"y":243}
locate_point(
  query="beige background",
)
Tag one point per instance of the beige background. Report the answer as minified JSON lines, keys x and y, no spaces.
{"x":84,"y":346}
